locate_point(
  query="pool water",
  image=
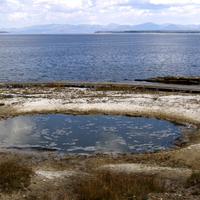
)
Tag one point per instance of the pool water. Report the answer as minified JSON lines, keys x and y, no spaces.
{"x":88,"y":133}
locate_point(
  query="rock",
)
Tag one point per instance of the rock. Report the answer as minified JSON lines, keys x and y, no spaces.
{"x":179,"y":79}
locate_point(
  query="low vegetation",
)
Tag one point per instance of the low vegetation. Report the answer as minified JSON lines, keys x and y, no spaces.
{"x":126,"y":89}
{"x":112,"y":88}
{"x":112,"y":186}
{"x":194,"y":178}
{"x":14,"y":176}
{"x":6,"y":96}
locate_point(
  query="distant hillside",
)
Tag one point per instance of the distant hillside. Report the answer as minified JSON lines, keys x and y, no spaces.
{"x":151,"y":31}
{"x":3,"y":32}
{"x":86,"y":28}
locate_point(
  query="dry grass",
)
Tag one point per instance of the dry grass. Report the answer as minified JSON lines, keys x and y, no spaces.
{"x":54,"y":85}
{"x":42,"y":196}
{"x":194,"y":178}
{"x":6,"y":96}
{"x":14,"y":176}
{"x":107,"y":185}
{"x":112,"y":88}
{"x":128,"y":90}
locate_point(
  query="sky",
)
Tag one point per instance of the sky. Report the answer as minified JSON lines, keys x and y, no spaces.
{"x":23,"y":13}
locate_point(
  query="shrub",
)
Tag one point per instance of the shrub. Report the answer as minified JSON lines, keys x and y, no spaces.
{"x":14,"y":176}
{"x":112,"y":186}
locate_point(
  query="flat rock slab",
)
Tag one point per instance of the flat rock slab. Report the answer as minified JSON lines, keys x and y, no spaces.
{"x":55,"y":174}
{"x":163,"y":172}
{"x":179,"y":79}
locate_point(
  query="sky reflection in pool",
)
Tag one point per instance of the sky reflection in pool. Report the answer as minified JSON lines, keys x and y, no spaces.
{"x":88,"y":133}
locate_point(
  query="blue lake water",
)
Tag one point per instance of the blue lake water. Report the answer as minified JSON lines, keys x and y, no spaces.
{"x":88,"y":134}
{"x":98,"y":57}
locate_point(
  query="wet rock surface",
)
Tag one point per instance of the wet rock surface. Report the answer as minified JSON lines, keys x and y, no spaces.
{"x":179,"y":79}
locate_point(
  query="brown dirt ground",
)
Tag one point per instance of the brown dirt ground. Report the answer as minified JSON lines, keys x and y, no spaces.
{"x":55,"y":172}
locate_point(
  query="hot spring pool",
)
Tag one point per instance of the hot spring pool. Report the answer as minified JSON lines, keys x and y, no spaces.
{"x":87,"y":133}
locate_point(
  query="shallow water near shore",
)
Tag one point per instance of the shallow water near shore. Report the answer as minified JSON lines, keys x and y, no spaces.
{"x":87,"y":133}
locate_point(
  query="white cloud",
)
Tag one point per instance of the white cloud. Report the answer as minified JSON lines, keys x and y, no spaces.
{"x":18,"y":13}
{"x":68,"y":4}
{"x":17,"y":16}
{"x":175,"y":1}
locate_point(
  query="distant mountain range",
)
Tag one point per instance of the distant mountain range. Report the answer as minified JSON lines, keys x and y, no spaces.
{"x":85,"y":28}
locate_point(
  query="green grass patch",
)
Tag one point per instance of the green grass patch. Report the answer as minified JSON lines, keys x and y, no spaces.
{"x":112,"y":186}
{"x":14,"y":176}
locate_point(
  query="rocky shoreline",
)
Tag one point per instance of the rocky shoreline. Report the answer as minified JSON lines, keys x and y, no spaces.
{"x":179,"y":79}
